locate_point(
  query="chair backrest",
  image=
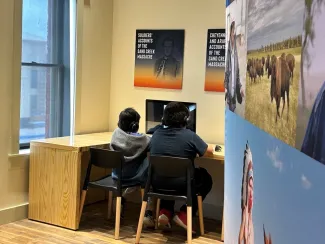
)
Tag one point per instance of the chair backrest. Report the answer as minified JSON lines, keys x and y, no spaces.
{"x":105,"y":158}
{"x":170,"y":175}
{"x":170,"y":167}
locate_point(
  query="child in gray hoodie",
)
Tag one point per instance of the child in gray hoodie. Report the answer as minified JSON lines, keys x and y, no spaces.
{"x":134,"y":147}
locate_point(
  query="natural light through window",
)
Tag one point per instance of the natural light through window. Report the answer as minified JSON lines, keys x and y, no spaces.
{"x":45,"y":81}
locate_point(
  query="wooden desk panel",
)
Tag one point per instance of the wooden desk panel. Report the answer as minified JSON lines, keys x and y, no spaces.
{"x":57,"y":170}
{"x":54,"y":186}
{"x":55,"y":182}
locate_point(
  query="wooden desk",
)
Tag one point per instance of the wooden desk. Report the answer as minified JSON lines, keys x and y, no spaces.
{"x":56,"y":173}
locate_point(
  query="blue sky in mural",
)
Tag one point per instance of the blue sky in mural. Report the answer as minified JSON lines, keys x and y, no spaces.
{"x":289,"y":194}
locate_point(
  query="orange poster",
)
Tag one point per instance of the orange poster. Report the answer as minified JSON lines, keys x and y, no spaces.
{"x":215,"y":60}
{"x":159,"y":58}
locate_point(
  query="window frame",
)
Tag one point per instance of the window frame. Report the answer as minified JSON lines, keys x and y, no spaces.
{"x":56,"y":17}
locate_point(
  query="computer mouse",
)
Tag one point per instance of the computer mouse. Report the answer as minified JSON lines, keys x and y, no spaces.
{"x":218,"y":148}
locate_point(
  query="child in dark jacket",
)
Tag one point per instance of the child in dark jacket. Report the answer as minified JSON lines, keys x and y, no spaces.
{"x":173,"y":139}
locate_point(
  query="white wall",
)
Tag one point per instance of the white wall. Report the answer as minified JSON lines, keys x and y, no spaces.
{"x":94,"y":83}
{"x":14,"y":170}
{"x":196,"y":18}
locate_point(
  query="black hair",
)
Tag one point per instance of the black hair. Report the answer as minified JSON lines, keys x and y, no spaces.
{"x":175,"y":115}
{"x":129,"y":120}
{"x":168,"y":39}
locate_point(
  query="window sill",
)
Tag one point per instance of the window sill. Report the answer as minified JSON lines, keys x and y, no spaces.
{"x":21,"y":153}
{"x":19,"y":160}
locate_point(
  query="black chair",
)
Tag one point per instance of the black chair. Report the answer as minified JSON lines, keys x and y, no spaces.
{"x":107,"y":159}
{"x":170,"y":167}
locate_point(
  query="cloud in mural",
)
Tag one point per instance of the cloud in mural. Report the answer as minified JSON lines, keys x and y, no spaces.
{"x":273,"y":20}
{"x":305,"y":182}
{"x":274,"y":156}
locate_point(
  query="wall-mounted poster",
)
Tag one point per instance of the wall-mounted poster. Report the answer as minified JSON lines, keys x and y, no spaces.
{"x":215,"y":60}
{"x":159,"y":56}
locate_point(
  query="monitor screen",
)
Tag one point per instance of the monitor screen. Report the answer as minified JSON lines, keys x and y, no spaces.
{"x":155,"y":111}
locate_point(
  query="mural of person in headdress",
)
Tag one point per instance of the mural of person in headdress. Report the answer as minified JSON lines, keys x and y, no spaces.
{"x":267,"y":239}
{"x":246,"y":233}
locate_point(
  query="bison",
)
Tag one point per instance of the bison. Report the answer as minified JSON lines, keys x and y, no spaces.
{"x":252,"y":71}
{"x":272,"y":73}
{"x":280,"y":84}
{"x":249,"y":63}
{"x":267,"y":63}
{"x":252,"y":74}
{"x":291,"y":63}
{"x":263,"y":62}
{"x":272,"y":61}
{"x":259,"y":68}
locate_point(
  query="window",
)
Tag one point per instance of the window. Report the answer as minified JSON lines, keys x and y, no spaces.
{"x":45,"y":85}
{"x":33,"y":79}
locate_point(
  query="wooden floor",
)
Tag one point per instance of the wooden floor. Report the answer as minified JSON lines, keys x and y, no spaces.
{"x":94,"y":228}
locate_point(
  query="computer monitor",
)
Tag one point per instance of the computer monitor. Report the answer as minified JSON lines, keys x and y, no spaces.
{"x":155,"y":111}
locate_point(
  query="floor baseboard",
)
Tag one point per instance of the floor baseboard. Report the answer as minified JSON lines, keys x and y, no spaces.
{"x":13,"y":214}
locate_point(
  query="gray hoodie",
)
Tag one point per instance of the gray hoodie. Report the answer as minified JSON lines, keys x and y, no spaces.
{"x":132,"y":145}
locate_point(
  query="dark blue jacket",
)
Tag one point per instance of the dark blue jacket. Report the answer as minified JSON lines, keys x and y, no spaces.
{"x":314,"y":141}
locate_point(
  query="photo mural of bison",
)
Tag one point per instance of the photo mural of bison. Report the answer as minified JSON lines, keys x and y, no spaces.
{"x":278,"y":81}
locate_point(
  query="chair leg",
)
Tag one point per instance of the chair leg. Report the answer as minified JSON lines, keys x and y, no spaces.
{"x":189,"y":225}
{"x":139,"y":230}
{"x":157,"y":213}
{"x":199,"y":200}
{"x":142,"y":193}
{"x":118,"y":217}
{"x":110,"y":204}
{"x":82,"y":202}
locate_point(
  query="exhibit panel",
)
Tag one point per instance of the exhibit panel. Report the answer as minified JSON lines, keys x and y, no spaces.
{"x":275,"y":121}
{"x":277,"y":84}
{"x":270,"y":188}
